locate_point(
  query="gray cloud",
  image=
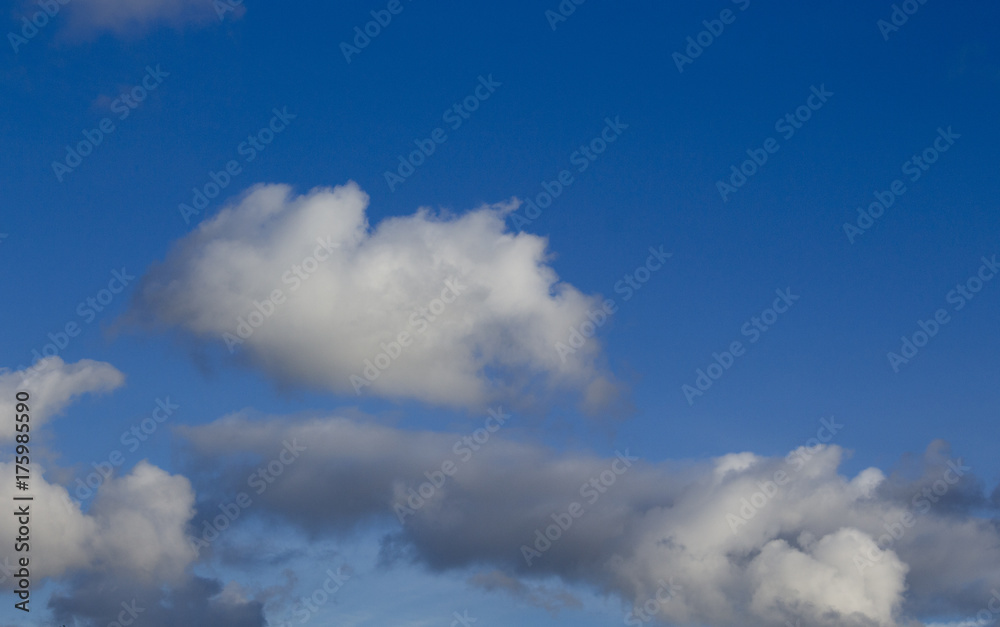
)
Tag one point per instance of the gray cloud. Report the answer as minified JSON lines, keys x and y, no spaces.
{"x":535,"y":596}
{"x":196,"y":602}
{"x":805,"y":551}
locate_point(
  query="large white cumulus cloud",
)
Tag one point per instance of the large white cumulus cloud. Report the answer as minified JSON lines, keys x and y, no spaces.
{"x":348,"y":291}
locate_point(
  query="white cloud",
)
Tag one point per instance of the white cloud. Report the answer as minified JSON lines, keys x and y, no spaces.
{"x":495,"y":340}
{"x":822,"y":583}
{"x":142,"y":518}
{"x":133,"y":17}
{"x":54,"y":384}
{"x":136,"y":527}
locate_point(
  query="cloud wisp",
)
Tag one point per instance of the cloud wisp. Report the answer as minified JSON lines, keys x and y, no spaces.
{"x":54,"y":384}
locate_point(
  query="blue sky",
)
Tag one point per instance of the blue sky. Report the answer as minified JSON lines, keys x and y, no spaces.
{"x":547,"y":88}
